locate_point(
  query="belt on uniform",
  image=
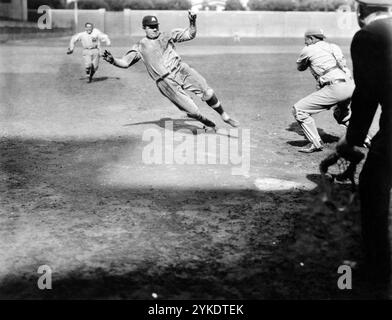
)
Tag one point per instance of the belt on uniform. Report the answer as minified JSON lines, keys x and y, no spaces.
{"x":91,"y":48}
{"x":328,"y":83}
{"x":329,"y":70}
{"x":166,"y":74}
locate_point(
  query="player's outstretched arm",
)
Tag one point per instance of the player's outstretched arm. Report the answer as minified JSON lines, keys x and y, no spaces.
{"x":125,"y":62}
{"x":72,"y":42}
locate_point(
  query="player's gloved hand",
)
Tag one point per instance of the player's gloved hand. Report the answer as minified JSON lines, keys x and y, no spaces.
{"x":192,"y":16}
{"x":348,"y":151}
{"x":69,"y":51}
{"x":107,"y":56}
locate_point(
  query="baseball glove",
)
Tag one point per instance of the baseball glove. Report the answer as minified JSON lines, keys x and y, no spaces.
{"x":107,"y":56}
{"x":342,"y":114}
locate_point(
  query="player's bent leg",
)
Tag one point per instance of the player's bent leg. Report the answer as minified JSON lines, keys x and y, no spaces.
{"x":182,"y":101}
{"x":310,"y":130}
{"x":196,"y":83}
{"x":87,"y":62}
{"x":92,"y":71}
{"x":95,"y":61}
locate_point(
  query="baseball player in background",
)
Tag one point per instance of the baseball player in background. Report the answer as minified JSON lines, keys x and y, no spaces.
{"x":334,"y":83}
{"x":90,"y":39}
{"x":172,"y":76}
{"x":371,"y":51}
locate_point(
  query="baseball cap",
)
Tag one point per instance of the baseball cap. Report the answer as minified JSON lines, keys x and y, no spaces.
{"x":150,"y":21}
{"x":375,"y":2}
{"x":317,"y":32}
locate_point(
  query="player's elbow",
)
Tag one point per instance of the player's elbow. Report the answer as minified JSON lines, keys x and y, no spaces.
{"x":192,"y":33}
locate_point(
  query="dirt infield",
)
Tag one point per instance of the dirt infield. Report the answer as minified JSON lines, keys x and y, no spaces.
{"x":77,"y":195}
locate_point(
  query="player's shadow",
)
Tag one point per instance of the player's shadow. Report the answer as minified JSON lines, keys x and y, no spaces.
{"x":294,"y":127}
{"x":99,"y":79}
{"x":315,"y":178}
{"x":181,"y":124}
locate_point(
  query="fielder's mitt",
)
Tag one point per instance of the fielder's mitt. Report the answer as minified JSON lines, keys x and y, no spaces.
{"x":107,"y":56}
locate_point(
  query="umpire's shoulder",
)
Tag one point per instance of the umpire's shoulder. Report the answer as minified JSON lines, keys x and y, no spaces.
{"x":363,"y":38}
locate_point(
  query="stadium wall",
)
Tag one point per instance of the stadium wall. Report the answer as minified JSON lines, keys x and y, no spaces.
{"x":14,"y":9}
{"x":218,"y":24}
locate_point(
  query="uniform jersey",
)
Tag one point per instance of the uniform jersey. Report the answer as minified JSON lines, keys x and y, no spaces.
{"x":89,"y":41}
{"x":321,"y":57}
{"x":159,"y":55}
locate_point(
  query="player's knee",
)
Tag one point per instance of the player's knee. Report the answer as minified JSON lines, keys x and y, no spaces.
{"x":295,"y":113}
{"x":300,"y":115}
{"x":213,"y":102}
{"x":208,"y":95}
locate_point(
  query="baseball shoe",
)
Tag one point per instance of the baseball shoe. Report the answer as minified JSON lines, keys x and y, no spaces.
{"x":311,"y":148}
{"x":90,"y":77}
{"x":210,"y":129}
{"x":232,"y":122}
{"x":207,"y":122}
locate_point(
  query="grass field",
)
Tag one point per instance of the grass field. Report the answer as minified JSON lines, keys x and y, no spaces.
{"x":77,"y":196}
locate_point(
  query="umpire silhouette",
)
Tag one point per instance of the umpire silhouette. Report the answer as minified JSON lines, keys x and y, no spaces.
{"x":371,"y":51}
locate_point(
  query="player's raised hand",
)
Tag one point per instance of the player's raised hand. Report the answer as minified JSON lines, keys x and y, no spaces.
{"x":107,"y":56}
{"x":192,"y":15}
{"x":69,"y":51}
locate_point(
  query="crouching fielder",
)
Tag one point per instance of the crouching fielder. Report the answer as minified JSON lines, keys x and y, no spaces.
{"x":90,"y":39}
{"x":334,"y":83}
{"x":172,"y":76}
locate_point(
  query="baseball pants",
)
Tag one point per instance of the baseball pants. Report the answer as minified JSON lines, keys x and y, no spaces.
{"x":175,"y":85}
{"x":336,"y":96}
{"x":91,"y":58}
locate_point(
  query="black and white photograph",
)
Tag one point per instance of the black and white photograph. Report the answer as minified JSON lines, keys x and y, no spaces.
{"x":195,"y":150}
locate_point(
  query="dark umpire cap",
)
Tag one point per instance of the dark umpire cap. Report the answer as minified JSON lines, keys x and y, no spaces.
{"x":382,"y":3}
{"x":150,"y":21}
{"x":316,"y":32}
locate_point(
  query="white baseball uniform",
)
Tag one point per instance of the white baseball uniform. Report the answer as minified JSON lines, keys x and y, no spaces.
{"x":335,"y":86}
{"x":91,"y":46}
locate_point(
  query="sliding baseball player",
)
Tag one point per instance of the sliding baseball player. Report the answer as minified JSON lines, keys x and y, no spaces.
{"x":172,"y":76}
